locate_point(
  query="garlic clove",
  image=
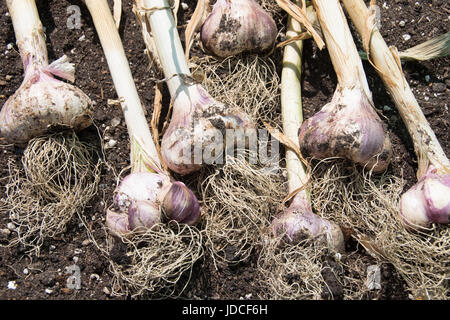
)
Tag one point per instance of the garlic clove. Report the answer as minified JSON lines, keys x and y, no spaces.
{"x":140,"y":186}
{"x":412,"y":208}
{"x":347,"y":127}
{"x":236,"y":26}
{"x":436,"y":190}
{"x":181,"y":205}
{"x":143,"y":214}
{"x":427,"y":202}
{"x":117,"y":223}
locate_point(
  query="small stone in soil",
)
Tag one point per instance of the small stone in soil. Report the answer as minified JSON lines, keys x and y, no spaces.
{"x":438,"y":87}
{"x":5,"y":232}
{"x":12,"y":285}
{"x":11,"y":226}
{"x":66,"y":290}
{"x":115,"y":122}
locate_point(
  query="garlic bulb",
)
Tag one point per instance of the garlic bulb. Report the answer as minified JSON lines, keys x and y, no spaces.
{"x":199,"y":123}
{"x":298,"y":223}
{"x":236,"y":26}
{"x":144,"y":199}
{"x":428,"y":201}
{"x":347,"y":127}
{"x":43,"y":103}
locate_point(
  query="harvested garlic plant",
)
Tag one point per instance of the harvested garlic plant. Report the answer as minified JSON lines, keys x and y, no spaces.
{"x":348,"y":126}
{"x":42,"y":102}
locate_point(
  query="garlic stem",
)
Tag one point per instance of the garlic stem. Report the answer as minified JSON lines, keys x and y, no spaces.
{"x":168,"y":44}
{"x":133,"y":111}
{"x":387,"y":64}
{"x":28,"y":31}
{"x":291,"y":101}
{"x":341,"y":47}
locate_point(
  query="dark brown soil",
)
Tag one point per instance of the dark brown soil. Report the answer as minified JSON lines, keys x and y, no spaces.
{"x":430,"y":82}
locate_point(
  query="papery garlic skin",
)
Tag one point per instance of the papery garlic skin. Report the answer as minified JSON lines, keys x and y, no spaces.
{"x":347,"y":127}
{"x":427,"y":202}
{"x":298,"y":223}
{"x":198,"y":122}
{"x":144,"y":199}
{"x":236,"y":26}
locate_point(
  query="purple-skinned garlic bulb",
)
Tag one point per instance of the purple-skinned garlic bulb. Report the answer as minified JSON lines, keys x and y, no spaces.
{"x":347,"y":127}
{"x":298,"y":223}
{"x":42,"y":102}
{"x":144,"y":199}
{"x":428,"y":201}
{"x":236,"y":26}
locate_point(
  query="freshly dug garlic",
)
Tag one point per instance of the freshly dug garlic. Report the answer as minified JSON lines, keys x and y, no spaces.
{"x":236,"y":26}
{"x":298,"y":223}
{"x":347,"y":127}
{"x":199,"y":123}
{"x":428,"y":201}
{"x":42,"y":102}
{"x":144,"y":199}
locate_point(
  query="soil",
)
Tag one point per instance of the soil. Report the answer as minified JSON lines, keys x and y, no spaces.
{"x":46,"y":276}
